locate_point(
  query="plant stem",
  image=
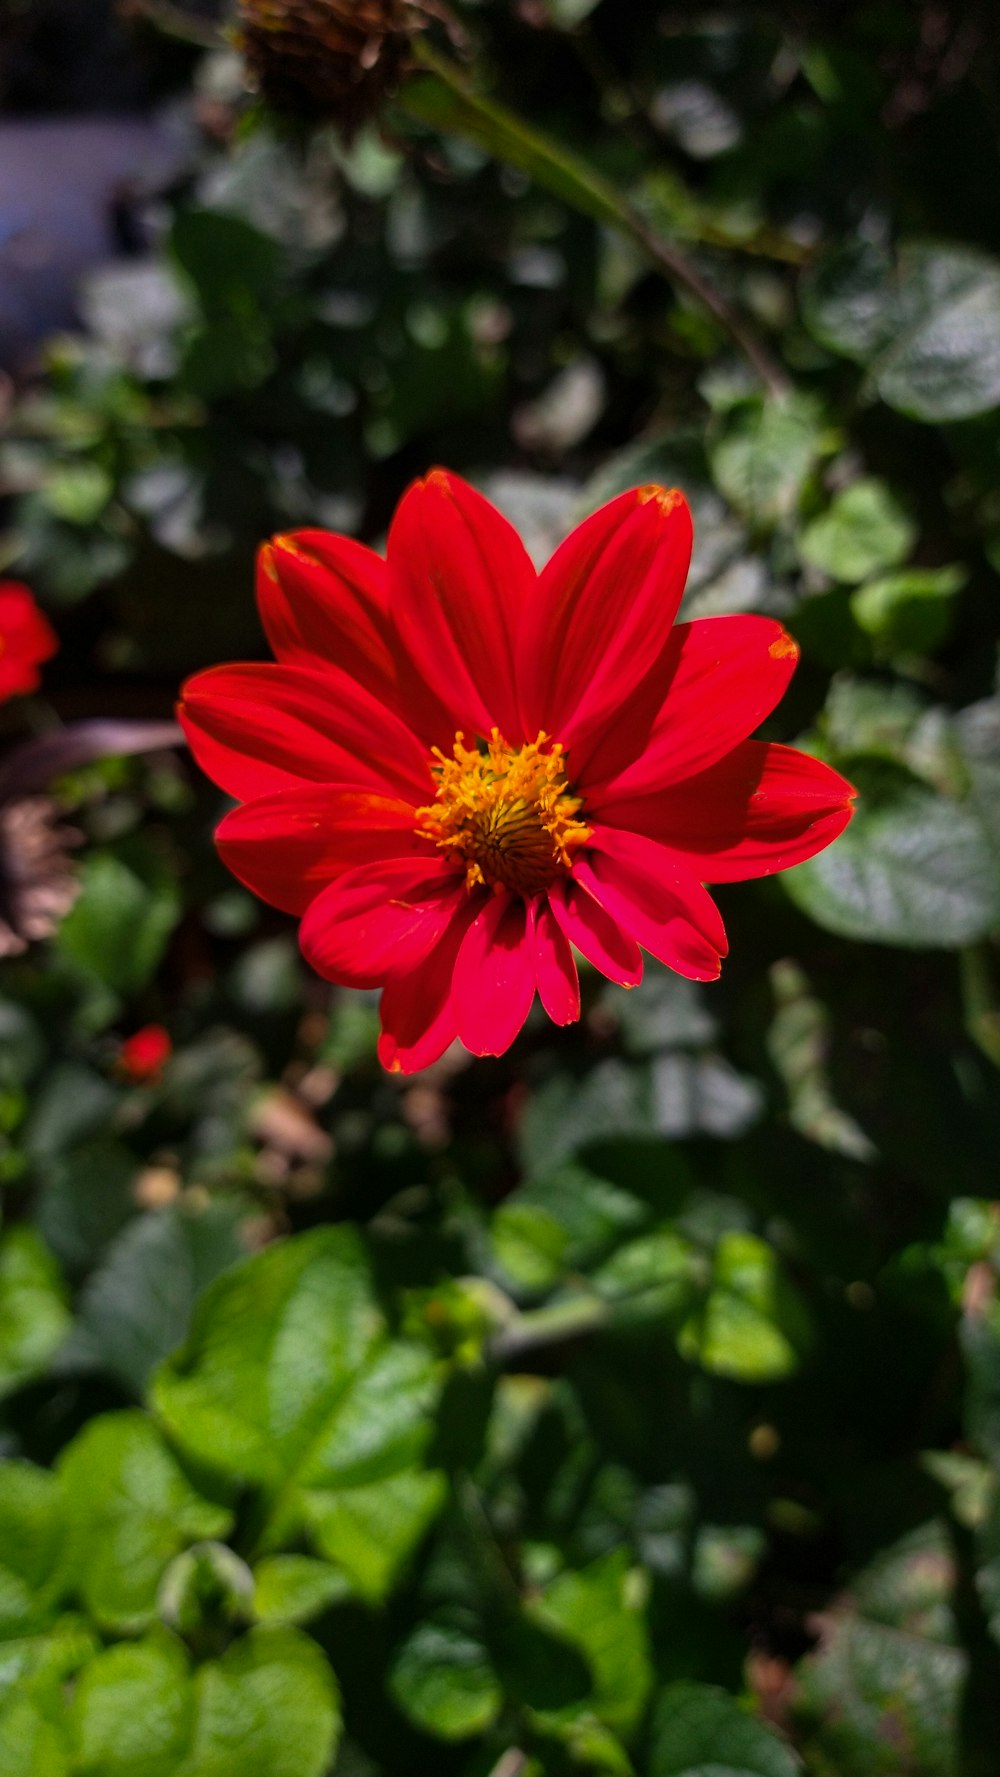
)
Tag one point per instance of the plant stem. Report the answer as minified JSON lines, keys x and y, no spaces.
{"x":175,"y":22}
{"x":447,"y":102}
{"x":549,"y":1326}
{"x":979,"y":1000}
{"x":511,"y":1765}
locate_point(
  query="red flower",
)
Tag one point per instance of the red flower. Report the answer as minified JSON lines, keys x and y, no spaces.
{"x":461,"y":770}
{"x":26,"y":639}
{"x":143,"y":1056}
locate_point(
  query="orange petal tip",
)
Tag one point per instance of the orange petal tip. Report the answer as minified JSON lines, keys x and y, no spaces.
{"x":784,"y":647}
{"x":666,"y":498}
{"x":288,"y":544}
{"x":265,"y":558}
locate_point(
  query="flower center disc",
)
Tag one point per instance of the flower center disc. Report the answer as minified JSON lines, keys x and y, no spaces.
{"x":508,"y":812}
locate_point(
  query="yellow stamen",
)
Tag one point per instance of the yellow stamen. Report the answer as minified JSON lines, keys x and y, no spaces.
{"x":507,"y":812}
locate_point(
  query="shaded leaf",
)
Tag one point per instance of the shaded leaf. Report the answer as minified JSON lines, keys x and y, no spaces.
{"x":926,"y":327}
{"x":752,"y":1325}
{"x":135,"y":1308}
{"x":764,"y":454}
{"x":129,"y":1509}
{"x":34,"y":1318}
{"x":442,"y":1678}
{"x":914,"y":868}
{"x":865,"y":531}
{"x":599,"y":1609}
{"x":699,"y":1731}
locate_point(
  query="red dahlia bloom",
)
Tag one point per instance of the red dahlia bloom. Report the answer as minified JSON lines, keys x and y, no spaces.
{"x":26,"y":639}
{"x":144,"y":1055}
{"x":461,"y":770}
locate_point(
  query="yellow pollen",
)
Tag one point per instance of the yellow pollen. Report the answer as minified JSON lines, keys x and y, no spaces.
{"x":507,"y":812}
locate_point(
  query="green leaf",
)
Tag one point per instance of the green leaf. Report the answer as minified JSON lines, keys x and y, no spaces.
{"x":87,"y":1197}
{"x":764,"y":454}
{"x":228,"y":356}
{"x":655,"y":1277}
{"x":700,"y":1731}
{"x":78,"y":492}
{"x":872,"y":1689}
{"x":865,"y":531}
{"x":847,"y":299}
{"x":914,"y":868}
{"x":444,"y":1681}
{"x":444,"y":101}
{"x":119,"y":927}
{"x":31,"y":1540}
{"x":752,"y":1325}
{"x":72,"y":1103}
{"x":371,"y":1531}
{"x":927,"y":327}
{"x":34,"y":1318}
{"x":600,"y":1610}
{"x":231,"y":266}
{"x":293,"y":1588}
{"x":273,"y":1343}
{"x":674,"y":1094}
{"x":289,"y":1380}
{"x":22,"y":1045}
{"x":136,"y":1308}
{"x":34,"y":1727}
{"x":798,"y":1044}
{"x":270,"y":1706}
{"x":566,"y":1221}
{"x":133,"y":1711}
{"x":908,"y":613}
{"x":130,"y":1509}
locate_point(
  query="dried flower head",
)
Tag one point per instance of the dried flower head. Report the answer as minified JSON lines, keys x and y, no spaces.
{"x":37,"y":883}
{"x":339,"y":58}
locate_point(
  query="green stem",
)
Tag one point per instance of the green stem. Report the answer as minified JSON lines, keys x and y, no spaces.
{"x":175,"y":22}
{"x":979,"y":999}
{"x":549,"y":1326}
{"x":447,"y":102}
{"x":512,"y":1764}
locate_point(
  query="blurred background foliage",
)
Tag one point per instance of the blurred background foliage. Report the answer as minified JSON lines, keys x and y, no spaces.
{"x":630,"y":1404}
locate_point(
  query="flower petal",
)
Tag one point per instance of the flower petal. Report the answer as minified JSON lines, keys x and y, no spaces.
{"x":259,"y":728}
{"x":26,"y":639}
{"x":417,"y":1010}
{"x":761,"y":809}
{"x":603,"y":612}
{"x":494,"y":981}
{"x":379,"y":919}
{"x":459,"y":579}
{"x":323,"y":597}
{"x":555,"y":967}
{"x":595,"y":934}
{"x":720,"y":677}
{"x":288,"y":846}
{"x":657,"y":899}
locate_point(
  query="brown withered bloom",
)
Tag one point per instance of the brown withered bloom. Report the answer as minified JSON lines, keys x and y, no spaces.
{"x":37,"y":880}
{"x":340,"y":59}
{"x":37,"y":884}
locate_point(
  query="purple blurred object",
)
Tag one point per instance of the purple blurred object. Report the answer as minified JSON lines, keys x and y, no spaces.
{"x":68,"y":190}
